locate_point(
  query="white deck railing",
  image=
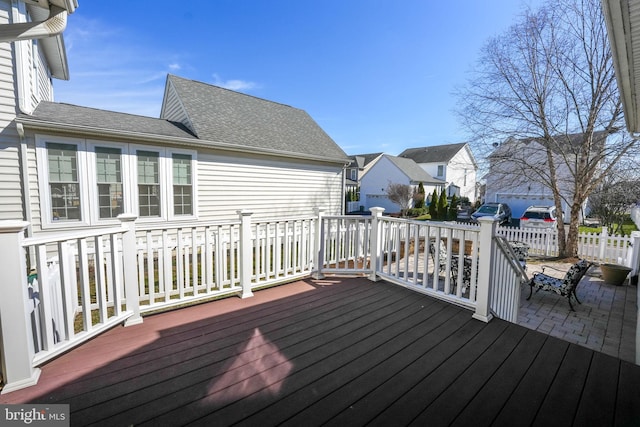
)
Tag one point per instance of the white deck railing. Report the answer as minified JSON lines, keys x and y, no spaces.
{"x":87,"y":281}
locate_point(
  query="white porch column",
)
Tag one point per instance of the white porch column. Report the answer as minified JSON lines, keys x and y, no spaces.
{"x":129,"y":262}
{"x":485,"y":269}
{"x":318,"y":252}
{"x":376,"y":242}
{"x":246,"y":253}
{"x":17,"y":337}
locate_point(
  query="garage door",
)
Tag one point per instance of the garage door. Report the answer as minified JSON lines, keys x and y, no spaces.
{"x":381,"y":201}
{"x":520,"y":203}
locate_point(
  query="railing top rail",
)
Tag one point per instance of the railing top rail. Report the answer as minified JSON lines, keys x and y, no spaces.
{"x":71,"y":235}
{"x":190,"y":224}
{"x":441,"y":224}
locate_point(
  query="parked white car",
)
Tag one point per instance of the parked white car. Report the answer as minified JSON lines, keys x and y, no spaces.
{"x":539,"y":217}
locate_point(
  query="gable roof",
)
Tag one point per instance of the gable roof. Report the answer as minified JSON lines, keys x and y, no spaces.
{"x":569,"y":143}
{"x":235,"y":119}
{"x":412,"y":170}
{"x":363,"y":160}
{"x":208,"y":118}
{"x":433,"y":154}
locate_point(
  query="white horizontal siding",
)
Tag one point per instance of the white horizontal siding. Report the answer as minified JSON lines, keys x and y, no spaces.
{"x":269,"y":189}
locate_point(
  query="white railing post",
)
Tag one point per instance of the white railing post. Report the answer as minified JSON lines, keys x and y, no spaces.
{"x":246,"y":253}
{"x":130,"y":267}
{"x":17,"y":337}
{"x":604,"y":236}
{"x":376,"y":242}
{"x":485,"y":269}
{"x":318,"y":252}
{"x":633,"y":254}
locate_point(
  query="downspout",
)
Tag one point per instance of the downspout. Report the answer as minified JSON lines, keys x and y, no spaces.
{"x":53,"y":25}
{"x":24,"y":173}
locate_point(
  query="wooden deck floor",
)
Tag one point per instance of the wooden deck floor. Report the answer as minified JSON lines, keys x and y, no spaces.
{"x":344,"y":352}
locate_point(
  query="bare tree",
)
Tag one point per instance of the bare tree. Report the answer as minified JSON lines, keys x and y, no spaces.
{"x":611,"y":201}
{"x":402,"y":195}
{"x":545,"y":93}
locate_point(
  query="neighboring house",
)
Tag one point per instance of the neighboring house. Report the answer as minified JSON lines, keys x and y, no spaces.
{"x":511,"y":178}
{"x":452,"y":163}
{"x":211,"y":153}
{"x":386,"y":169}
{"x":354,"y":171}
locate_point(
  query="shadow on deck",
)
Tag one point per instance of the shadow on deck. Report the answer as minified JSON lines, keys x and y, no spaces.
{"x":342,"y":352}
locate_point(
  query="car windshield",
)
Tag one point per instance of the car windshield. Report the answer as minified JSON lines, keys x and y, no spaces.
{"x":486,"y":209}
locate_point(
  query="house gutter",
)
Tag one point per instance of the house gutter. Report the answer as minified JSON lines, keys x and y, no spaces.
{"x":38,"y":125}
{"x":53,"y":25}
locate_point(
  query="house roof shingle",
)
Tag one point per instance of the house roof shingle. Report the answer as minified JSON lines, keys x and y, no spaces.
{"x":438,"y":153}
{"x":95,"y":119}
{"x":413,"y":171}
{"x":218,"y":118}
{"x":221,"y":115}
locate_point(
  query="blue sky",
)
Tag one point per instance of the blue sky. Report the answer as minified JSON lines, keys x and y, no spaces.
{"x":377,"y":75}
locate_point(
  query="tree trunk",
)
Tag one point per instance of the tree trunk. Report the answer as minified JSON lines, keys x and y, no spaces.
{"x":571,"y":249}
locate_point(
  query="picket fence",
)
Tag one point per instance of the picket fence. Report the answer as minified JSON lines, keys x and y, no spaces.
{"x":598,"y":247}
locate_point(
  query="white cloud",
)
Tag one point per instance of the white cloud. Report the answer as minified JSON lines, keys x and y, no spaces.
{"x":234,"y":84}
{"x":174,"y":67}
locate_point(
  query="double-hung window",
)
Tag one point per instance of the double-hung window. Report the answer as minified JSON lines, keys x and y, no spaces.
{"x":109,"y":182}
{"x":182,"y":184}
{"x":149,"y":194}
{"x":64,"y":182}
{"x":85,"y":183}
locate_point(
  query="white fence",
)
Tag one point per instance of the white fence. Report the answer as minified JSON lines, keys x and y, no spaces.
{"x":597,"y":247}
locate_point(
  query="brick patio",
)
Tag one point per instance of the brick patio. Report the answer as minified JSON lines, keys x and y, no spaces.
{"x":605,"y":321}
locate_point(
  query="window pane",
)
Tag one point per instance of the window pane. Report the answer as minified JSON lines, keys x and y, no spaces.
{"x":65,"y":202}
{"x":182,"y":200}
{"x":182,"y":189}
{"x":148,"y":167}
{"x":109,"y":177}
{"x":148,"y":183}
{"x":181,"y":169}
{"x":64,"y":187}
{"x":149,"y":200}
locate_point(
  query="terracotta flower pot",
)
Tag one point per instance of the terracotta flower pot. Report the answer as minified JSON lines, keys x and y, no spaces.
{"x":614,"y":274}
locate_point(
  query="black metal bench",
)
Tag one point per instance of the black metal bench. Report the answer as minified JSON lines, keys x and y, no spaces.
{"x":566,"y":286}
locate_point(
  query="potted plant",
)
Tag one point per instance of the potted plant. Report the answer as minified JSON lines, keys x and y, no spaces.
{"x":614,"y":274}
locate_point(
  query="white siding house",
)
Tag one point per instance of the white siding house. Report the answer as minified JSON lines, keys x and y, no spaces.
{"x":26,"y":69}
{"x":452,"y":163}
{"x":519,"y":175}
{"x":386,"y":170}
{"x":213,"y":152}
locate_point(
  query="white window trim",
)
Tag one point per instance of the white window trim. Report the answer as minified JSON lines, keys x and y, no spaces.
{"x":87,"y":177}
{"x":127,"y":180}
{"x":166,"y":183}
{"x":194,"y":187}
{"x":46,"y":219}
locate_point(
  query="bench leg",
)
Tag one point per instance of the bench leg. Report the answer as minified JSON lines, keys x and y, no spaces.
{"x":530,"y":291}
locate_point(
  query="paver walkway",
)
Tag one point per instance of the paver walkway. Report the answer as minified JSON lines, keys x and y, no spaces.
{"x":605,"y":321}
